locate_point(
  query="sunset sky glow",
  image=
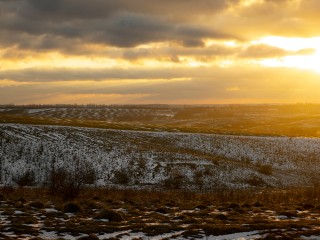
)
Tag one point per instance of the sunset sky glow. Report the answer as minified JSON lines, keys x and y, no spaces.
{"x":172,"y":52}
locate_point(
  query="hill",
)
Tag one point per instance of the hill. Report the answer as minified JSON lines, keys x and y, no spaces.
{"x":158,"y":159}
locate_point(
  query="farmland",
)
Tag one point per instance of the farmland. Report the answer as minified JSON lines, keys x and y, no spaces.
{"x":274,"y":120}
{"x":203,"y":161}
{"x":159,"y":172}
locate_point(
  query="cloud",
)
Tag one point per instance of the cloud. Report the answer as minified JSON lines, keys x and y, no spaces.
{"x":123,"y":30}
{"x":215,"y":86}
{"x":258,"y":51}
{"x":49,"y":24}
{"x":145,"y":46}
{"x":52,"y":24}
{"x":64,"y":25}
{"x":174,"y":52}
{"x":94,"y":9}
{"x":291,"y":18}
{"x":66,"y":74}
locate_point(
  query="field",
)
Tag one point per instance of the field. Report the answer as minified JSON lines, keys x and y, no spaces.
{"x":267,"y":120}
{"x":160,"y":172}
{"x":158,"y":159}
{"x":137,"y":214}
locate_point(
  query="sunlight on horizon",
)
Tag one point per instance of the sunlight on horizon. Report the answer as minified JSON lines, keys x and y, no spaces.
{"x":300,"y":61}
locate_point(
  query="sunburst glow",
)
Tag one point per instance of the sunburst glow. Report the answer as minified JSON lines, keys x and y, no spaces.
{"x":105,"y":49}
{"x":303,"y":60}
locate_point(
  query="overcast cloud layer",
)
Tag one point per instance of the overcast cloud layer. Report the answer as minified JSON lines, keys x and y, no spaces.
{"x":155,"y":51}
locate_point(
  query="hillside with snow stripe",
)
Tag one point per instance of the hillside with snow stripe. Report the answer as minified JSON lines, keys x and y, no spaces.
{"x":153,"y":159}
{"x":296,"y":120}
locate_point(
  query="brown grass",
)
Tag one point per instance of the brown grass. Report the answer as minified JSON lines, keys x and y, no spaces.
{"x":156,"y":213}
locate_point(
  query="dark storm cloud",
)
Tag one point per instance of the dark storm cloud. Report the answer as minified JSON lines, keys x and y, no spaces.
{"x":121,"y":23}
{"x":103,"y":8}
{"x":46,"y":6}
{"x":128,"y":23}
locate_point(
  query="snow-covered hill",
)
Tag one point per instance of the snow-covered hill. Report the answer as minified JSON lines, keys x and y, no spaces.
{"x":153,"y":159}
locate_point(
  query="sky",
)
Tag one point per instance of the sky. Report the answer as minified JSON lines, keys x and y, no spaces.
{"x":159,"y":51}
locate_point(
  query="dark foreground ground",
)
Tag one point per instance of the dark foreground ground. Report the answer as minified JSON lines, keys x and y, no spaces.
{"x":130,"y":214}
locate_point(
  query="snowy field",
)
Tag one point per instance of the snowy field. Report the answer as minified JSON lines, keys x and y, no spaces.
{"x":198,"y":161}
{"x":237,"y":185}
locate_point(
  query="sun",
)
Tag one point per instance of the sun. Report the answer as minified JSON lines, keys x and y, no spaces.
{"x":308,"y":61}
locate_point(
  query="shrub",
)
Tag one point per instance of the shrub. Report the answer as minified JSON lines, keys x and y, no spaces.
{"x":29,"y":220}
{"x":71,"y":208}
{"x":308,"y":206}
{"x":201,"y":207}
{"x":257,"y":204}
{"x":246,"y":205}
{"x":111,"y":215}
{"x":25,"y":179}
{"x":175,"y":181}
{"x":221,"y":217}
{"x":233,"y":206}
{"x":265,"y":169}
{"x":255,"y":181}
{"x":162,"y":210}
{"x":68,"y":183}
{"x":121,"y":177}
{"x":36,"y":204}
{"x":90,"y":176}
{"x":21,"y":200}
{"x":198,"y":179}
{"x":288,"y":214}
